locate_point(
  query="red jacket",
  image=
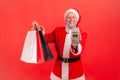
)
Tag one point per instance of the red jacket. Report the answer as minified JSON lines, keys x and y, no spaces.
{"x":58,"y":37}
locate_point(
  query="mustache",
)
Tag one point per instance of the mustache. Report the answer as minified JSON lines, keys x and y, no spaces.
{"x":70,"y":26}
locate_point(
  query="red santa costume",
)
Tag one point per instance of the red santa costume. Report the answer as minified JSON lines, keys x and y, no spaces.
{"x":63,"y":68}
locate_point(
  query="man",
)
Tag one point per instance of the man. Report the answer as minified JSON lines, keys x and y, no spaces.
{"x":68,"y":65}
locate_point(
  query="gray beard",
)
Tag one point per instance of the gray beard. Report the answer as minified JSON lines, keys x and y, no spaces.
{"x":71,"y":26}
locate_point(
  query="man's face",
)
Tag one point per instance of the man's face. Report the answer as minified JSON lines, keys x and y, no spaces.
{"x":71,"y":19}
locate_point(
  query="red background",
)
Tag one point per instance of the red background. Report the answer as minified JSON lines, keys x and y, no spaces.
{"x":99,"y":18}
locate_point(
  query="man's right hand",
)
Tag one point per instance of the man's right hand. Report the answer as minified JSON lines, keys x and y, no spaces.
{"x":36,"y":26}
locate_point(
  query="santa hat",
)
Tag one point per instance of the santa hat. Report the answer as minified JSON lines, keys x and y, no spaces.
{"x":73,"y":11}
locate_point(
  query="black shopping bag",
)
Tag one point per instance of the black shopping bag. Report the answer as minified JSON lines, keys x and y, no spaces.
{"x":46,"y":50}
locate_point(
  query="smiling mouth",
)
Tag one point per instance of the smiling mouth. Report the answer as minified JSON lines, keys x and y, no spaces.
{"x":71,"y":22}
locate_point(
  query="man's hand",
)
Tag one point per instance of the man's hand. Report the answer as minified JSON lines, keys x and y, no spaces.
{"x":36,"y":26}
{"x":74,"y":48}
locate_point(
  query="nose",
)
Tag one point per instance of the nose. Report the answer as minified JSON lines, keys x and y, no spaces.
{"x":71,"y":19}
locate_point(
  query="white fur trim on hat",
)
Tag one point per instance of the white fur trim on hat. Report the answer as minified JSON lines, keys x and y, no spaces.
{"x":73,"y":11}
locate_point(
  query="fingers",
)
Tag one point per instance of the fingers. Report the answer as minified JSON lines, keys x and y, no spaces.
{"x":36,"y":25}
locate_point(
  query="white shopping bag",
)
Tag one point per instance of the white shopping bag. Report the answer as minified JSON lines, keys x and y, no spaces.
{"x":29,"y":52}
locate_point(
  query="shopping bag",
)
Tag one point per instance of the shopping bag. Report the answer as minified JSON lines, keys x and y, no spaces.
{"x":40,"y":54}
{"x":32,"y":51}
{"x":46,"y":50}
{"x":36,"y":49}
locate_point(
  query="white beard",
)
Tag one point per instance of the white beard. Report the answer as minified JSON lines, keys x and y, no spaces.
{"x":71,"y":26}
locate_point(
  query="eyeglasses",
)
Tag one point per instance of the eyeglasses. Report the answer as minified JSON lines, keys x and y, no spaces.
{"x":71,"y":17}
